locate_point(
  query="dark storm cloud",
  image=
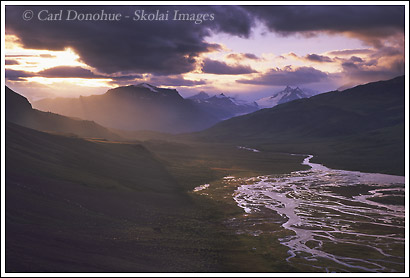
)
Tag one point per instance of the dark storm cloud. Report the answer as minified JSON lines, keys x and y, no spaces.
{"x":173,"y":47}
{"x":158,"y":47}
{"x":318,"y":58}
{"x":288,"y":76}
{"x":365,"y":22}
{"x":68,"y":72}
{"x":217,"y":67}
{"x":10,"y":62}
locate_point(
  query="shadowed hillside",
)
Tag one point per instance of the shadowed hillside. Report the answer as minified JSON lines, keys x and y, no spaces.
{"x":75,"y":205}
{"x":20,"y":111}
{"x":140,"y":107}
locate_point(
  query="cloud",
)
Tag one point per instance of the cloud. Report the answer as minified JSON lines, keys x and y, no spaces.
{"x":170,"y":48}
{"x":318,"y":58}
{"x":68,"y":72}
{"x":162,"y":48}
{"x":288,"y":76}
{"x":19,"y":55}
{"x":371,"y":65}
{"x":356,"y":59}
{"x":127,"y":77}
{"x":56,"y":72}
{"x":348,"y":52}
{"x":389,"y":51}
{"x":347,"y":66}
{"x":47,"y":56}
{"x":18,"y":75}
{"x":10,"y":62}
{"x":218,"y":67}
{"x":242,"y":56}
{"x":369,"y":23}
{"x":361,"y":71}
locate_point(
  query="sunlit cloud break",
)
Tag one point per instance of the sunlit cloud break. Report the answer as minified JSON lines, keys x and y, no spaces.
{"x":247,"y":50}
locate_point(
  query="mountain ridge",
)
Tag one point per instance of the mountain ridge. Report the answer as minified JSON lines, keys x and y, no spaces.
{"x":149,"y":107}
{"x":369,"y":116}
{"x":286,"y":95}
{"x":19,"y":110}
{"x":224,"y":106}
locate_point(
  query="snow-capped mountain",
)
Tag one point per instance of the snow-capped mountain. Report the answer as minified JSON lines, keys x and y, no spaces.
{"x":223,"y":106}
{"x":288,"y":94}
{"x":148,"y":86}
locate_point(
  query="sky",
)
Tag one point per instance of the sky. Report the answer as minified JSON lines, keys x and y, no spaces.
{"x":247,"y":52}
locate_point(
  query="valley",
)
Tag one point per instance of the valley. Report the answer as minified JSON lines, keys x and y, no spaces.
{"x":237,"y":139}
{"x":147,"y":201}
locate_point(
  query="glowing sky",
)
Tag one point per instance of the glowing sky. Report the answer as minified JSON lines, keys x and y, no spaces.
{"x":249,"y":51}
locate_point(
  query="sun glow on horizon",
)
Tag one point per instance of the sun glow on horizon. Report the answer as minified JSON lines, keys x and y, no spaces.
{"x":241,"y":65}
{"x":85,"y":82}
{"x":36,"y":60}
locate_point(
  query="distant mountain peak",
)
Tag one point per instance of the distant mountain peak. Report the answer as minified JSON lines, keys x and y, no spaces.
{"x":223,"y":106}
{"x":286,"y":95}
{"x":144,"y":90}
{"x":221,"y":96}
{"x":200,"y":96}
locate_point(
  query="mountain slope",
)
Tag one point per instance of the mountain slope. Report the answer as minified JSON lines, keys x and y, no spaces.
{"x":324,"y":123}
{"x":139,"y":107}
{"x":222,"y":106}
{"x":200,"y":96}
{"x":87,"y":206}
{"x":288,"y":94}
{"x":20,"y":111}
